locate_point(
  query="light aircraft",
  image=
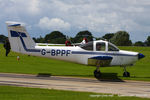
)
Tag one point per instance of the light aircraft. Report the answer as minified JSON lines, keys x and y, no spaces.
{"x":96,"y":53}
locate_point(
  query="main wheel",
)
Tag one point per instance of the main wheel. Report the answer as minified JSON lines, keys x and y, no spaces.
{"x":97,"y":74}
{"x":126,"y":74}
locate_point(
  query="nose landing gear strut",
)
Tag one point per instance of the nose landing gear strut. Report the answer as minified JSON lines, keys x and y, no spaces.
{"x":126,"y":74}
{"x":97,"y":72}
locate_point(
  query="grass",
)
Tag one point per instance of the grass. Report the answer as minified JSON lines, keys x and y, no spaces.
{"x":21,"y":93}
{"x":35,"y":65}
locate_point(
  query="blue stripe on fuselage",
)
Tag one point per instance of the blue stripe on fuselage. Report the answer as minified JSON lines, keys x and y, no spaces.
{"x":99,"y":53}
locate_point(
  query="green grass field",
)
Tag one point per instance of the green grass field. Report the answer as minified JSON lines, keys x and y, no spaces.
{"x":35,"y":65}
{"x":21,"y":93}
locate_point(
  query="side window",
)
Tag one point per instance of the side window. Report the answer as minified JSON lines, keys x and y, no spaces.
{"x":100,"y":46}
{"x":112,"y":48}
{"x":87,"y":46}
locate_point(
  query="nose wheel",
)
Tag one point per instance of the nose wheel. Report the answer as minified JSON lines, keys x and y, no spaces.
{"x":126,"y":74}
{"x":97,"y":74}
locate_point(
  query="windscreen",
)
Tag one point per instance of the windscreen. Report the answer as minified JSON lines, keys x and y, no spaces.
{"x":87,"y":46}
{"x":112,"y":47}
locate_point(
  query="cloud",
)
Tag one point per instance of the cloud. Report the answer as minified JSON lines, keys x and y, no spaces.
{"x":34,"y":6}
{"x":29,"y":7}
{"x":72,"y":16}
{"x":54,"y":24}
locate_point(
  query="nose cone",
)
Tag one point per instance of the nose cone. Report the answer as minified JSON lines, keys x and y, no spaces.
{"x":140,"y":56}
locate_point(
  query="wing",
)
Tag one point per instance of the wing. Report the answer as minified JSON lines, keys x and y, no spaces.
{"x":49,"y":44}
{"x":100,"y":61}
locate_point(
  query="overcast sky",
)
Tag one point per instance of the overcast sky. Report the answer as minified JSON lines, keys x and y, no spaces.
{"x":71,"y":16}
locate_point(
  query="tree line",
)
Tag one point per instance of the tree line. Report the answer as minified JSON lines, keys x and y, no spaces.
{"x":120,"y":38}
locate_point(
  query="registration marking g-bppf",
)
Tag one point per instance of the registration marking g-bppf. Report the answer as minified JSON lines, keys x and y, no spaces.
{"x":56,"y":52}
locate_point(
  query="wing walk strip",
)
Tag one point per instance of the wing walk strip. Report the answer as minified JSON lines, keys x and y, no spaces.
{"x":127,"y":88}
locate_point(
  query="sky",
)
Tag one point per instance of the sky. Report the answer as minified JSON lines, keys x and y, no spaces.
{"x":71,"y":16}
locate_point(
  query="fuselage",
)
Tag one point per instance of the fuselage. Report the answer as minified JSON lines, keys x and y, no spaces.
{"x":80,"y":55}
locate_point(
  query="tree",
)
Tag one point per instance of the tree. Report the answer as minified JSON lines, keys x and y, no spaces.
{"x":98,"y":38}
{"x":139,"y":43}
{"x":148,"y":41}
{"x":40,"y":40}
{"x":121,"y":38}
{"x":55,"y":37}
{"x":108,"y":36}
{"x":2,"y":38}
{"x":83,"y":34}
{"x":35,"y":40}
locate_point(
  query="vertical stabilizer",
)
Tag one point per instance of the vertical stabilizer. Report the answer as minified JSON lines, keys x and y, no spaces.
{"x":19,"y":39}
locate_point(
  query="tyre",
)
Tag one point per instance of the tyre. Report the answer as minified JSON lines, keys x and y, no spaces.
{"x":97,"y":74}
{"x":126,"y":74}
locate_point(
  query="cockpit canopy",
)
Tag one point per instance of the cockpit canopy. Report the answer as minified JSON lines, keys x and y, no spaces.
{"x":87,"y":46}
{"x":99,"y":46}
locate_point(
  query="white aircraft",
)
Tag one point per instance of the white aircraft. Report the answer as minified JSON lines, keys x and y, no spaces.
{"x":96,"y":53}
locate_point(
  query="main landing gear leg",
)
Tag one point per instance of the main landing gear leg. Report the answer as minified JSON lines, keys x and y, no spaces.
{"x":126,"y":74}
{"x":97,"y":72}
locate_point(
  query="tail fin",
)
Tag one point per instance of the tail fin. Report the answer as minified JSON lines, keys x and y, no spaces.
{"x":19,"y":39}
